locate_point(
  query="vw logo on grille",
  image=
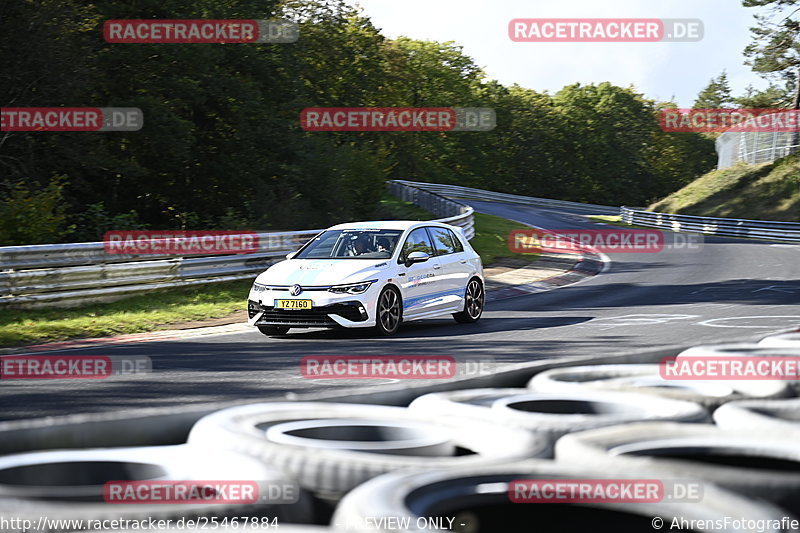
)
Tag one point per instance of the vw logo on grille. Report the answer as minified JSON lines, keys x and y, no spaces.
{"x":295,"y":290}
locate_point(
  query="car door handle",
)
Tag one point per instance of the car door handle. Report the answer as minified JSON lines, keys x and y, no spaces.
{"x":437,"y":267}
{"x":463,"y":261}
{"x":401,"y":274}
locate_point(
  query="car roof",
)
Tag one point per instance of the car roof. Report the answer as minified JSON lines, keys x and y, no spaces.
{"x":388,"y":224}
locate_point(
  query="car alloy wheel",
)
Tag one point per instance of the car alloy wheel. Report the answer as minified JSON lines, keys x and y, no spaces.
{"x":473,"y":303}
{"x":474,"y":299}
{"x":389,"y":311}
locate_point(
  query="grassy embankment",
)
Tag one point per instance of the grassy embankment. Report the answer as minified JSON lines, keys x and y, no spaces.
{"x":770,"y":191}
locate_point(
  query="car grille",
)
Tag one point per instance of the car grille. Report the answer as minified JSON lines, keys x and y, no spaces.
{"x":316,"y":317}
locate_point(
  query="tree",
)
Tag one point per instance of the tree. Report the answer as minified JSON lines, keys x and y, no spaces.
{"x":775,"y":48}
{"x":773,"y":96}
{"x":32,"y":217}
{"x":716,"y":95}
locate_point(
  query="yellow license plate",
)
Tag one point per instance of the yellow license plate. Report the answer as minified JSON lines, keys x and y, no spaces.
{"x":293,"y":304}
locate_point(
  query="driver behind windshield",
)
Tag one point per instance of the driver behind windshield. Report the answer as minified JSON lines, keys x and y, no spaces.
{"x":362,"y":245}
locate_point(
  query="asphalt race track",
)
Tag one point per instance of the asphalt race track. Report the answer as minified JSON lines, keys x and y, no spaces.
{"x":725,"y":290}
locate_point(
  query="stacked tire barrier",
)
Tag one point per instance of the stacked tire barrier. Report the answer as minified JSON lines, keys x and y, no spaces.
{"x":70,"y":485}
{"x":646,"y":378}
{"x":446,"y":460}
{"x":479,"y":500}
{"x":331,"y":448}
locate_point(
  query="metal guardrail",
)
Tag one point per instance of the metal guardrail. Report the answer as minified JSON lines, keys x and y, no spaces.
{"x":457,"y":214}
{"x":61,"y":275}
{"x":456,"y":191}
{"x":64,"y":275}
{"x":724,"y":227}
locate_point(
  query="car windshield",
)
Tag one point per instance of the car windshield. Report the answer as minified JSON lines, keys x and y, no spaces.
{"x":351,"y":244}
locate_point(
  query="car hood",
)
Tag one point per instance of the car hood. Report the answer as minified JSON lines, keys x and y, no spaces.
{"x":315,"y":272}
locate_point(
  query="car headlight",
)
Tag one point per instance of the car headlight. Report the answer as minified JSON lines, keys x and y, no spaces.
{"x":257,"y":287}
{"x":353,"y":288}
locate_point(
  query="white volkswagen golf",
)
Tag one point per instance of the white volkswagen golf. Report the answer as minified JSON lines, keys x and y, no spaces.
{"x":371,"y":274}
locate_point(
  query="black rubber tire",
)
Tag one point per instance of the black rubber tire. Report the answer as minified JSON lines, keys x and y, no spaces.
{"x":332,"y":462}
{"x":473,"y":306}
{"x":68,"y":484}
{"x":744,"y":350}
{"x":782,"y":416}
{"x":757,"y":464}
{"x":785,"y":340}
{"x":388,"y":325}
{"x":646,"y":379}
{"x":273,"y":331}
{"x":479,"y":499}
{"x":738,"y":350}
{"x":552,"y":415}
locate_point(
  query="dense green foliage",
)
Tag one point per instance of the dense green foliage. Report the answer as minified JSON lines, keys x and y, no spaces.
{"x":222,"y":145}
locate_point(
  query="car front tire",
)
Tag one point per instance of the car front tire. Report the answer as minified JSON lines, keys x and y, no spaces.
{"x":272,"y":331}
{"x":389,"y":311}
{"x":474,"y":299}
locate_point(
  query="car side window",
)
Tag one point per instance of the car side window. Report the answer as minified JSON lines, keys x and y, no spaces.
{"x":457,"y":242}
{"x":417,"y":241}
{"x":442,"y":241}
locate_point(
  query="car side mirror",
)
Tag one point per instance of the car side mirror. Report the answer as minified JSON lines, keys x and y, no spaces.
{"x":416,"y":257}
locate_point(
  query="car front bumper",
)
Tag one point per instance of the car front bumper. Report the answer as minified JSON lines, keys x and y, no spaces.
{"x":349,"y":314}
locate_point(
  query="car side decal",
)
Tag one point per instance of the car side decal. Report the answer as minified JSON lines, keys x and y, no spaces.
{"x":414,"y":302}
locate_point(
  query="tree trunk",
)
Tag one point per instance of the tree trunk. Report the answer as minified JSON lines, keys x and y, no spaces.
{"x":796,"y":99}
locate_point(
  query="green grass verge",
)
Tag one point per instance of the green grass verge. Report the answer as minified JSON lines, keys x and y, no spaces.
{"x":770,"y":191}
{"x":157,"y":309}
{"x":491,"y":239}
{"x":615,"y":220}
{"x":393,"y":208}
{"x":137,"y":314}
{"x":606,"y":219}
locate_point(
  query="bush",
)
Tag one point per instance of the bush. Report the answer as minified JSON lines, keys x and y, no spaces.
{"x":95,"y":221}
{"x":33,"y":217}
